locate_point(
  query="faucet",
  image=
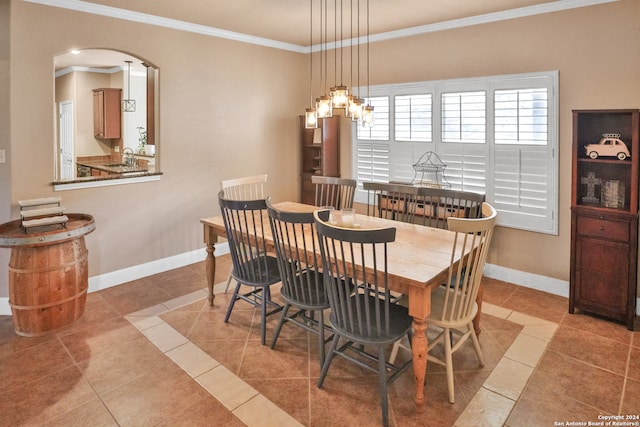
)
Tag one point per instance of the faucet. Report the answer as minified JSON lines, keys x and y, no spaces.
{"x":128,"y":157}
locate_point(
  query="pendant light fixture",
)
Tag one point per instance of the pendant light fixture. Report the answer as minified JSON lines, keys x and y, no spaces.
{"x":339,"y":96}
{"x":324,"y":106}
{"x":339,"y":93}
{"x":128,"y":104}
{"x":367,"y":111}
{"x":355,"y":108}
{"x":310,"y":114}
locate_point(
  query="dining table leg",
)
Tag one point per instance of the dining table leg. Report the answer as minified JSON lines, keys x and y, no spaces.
{"x":419,"y":347}
{"x":210,"y":240}
{"x":419,"y":309}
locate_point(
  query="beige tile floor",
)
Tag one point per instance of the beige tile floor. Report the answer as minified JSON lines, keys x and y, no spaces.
{"x":152,"y":352}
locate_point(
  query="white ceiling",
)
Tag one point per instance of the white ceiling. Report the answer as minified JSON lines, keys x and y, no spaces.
{"x":286,"y":23}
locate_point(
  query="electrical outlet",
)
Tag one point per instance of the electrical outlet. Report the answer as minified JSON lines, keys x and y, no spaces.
{"x":3,"y":156}
{"x":116,"y":148}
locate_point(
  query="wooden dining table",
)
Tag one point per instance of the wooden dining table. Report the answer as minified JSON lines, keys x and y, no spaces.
{"x":419,"y":261}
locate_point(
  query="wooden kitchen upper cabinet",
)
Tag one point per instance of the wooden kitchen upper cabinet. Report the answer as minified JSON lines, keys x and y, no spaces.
{"x":604,"y":213}
{"x":106,"y":113}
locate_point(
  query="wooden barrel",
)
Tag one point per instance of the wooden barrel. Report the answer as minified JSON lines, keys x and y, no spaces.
{"x":48,"y":277}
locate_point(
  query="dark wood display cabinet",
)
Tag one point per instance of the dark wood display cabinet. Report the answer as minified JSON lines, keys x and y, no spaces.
{"x":604,"y":213}
{"x":320,"y":154}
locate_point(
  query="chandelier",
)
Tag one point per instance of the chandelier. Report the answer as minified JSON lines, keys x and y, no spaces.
{"x":339,"y":97}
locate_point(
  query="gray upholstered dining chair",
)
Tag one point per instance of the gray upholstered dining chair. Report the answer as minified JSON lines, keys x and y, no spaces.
{"x":391,"y":201}
{"x":363,"y":315}
{"x":333,"y":191}
{"x":244,"y":188}
{"x":245,"y":222}
{"x":303,"y":291}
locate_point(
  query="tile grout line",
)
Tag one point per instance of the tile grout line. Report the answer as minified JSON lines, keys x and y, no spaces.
{"x":476,"y":416}
{"x":148,"y":318}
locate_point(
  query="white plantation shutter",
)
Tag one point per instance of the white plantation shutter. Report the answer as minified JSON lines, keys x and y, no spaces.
{"x":521,"y":184}
{"x":372,"y":161}
{"x":521,"y":116}
{"x":464,"y":117}
{"x":380,"y":129}
{"x":496,"y":135}
{"x":466,"y":166}
{"x":523,"y":174}
{"x":372,"y":152}
{"x":412,"y":117}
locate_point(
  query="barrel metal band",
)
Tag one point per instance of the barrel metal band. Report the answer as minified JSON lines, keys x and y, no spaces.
{"x":48,"y":269}
{"x":49,"y":305}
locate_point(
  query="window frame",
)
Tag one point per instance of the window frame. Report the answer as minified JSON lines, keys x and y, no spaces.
{"x":487,"y":155}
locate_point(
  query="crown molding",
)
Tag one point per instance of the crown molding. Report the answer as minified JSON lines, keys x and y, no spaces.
{"x":522,"y":12}
{"x":144,"y":18}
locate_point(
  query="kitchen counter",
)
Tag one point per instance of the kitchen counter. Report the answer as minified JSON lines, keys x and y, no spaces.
{"x":113,"y":168}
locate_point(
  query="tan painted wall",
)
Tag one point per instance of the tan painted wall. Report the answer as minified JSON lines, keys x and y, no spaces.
{"x":595,"y":49}
{"x":5,"y":144}
{"x":218,"y":119}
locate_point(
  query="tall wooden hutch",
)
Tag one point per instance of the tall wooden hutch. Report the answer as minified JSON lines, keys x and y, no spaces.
{"x":320,"y":154}
{"x":604,"y":213}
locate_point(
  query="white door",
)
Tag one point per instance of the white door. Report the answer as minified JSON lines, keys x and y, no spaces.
{"x":67,"y":164}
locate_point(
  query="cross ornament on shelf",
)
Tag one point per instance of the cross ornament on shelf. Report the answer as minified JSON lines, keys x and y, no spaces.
{"x":591,"y":181}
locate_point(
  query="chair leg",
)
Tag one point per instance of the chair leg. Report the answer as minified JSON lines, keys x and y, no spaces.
{"x":449,"y":365}
{"x":397,"y":346}
{"x":280,"y":323}
{"x":394,"y":352}
{"x":320,"y":337}
{"x":476,"y":343}
{"x":229,"y":279}
{"x":382,"y":372}
{"x":327,"y":360}
{"x":234,"y":298}
{"x":263,"y":315}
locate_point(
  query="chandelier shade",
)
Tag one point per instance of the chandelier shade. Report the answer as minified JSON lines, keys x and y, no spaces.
{"x":310,"y":118}
{"x":324,"y":106}
{"x":339,"y":96}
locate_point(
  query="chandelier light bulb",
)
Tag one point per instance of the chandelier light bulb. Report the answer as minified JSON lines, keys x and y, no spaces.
{"x":324,"y":107}
{"x":310,"y":118}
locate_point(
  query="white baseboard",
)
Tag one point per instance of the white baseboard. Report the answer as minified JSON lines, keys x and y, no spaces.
{"x":107,"y":280}
{"x":114,"y":278}
{"x":528,"y":280}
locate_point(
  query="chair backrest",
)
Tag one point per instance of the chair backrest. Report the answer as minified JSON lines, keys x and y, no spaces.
{"x":473,"y":236}
{"x":391,"y":201}
{"x":435,"y":205}
{"x":356,"y":279}
{"x":245,"y":222}
{"x":332,"y":191}
{"x":245,"y":188}
{"x":299,"y":260}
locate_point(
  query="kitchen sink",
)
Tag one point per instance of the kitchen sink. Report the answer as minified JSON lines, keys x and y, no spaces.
{"x":117,"y":165}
